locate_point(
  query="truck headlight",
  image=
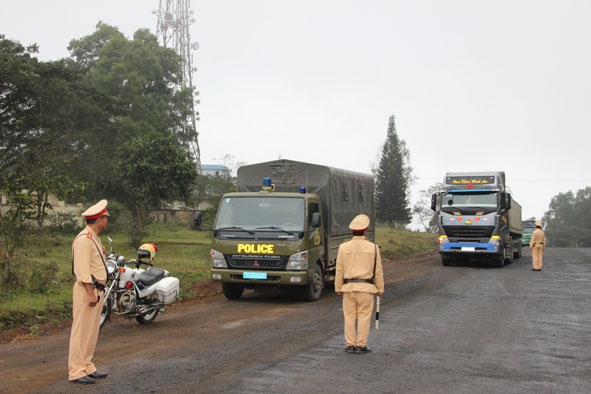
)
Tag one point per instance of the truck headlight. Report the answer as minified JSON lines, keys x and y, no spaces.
{"x":217,"y":259}
{"x":298,"y":261}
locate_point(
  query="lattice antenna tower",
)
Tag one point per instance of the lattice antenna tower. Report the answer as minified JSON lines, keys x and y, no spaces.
{"x":174,"y":20}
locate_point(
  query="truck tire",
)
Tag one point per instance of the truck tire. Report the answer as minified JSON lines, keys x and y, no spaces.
{"x":446,"y":262}
{"x":232,"y":291}
{"x":313,"y":290}
{"x":517,"y":253}
{"x":498,"y":262}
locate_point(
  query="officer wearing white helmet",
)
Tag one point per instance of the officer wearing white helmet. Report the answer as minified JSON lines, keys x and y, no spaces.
{"x":89,"y":267}
{"x":359,"y":277}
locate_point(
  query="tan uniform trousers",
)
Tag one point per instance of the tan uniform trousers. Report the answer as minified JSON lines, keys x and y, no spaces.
{"x":536,"y":256}
{"x":84,"y":335}
{"x":357,"y":308}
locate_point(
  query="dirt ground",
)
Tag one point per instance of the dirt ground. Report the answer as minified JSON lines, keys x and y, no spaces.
{"x":39,"y":364}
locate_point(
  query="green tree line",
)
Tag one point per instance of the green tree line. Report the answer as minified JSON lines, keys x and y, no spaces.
{"x":568,"y":220}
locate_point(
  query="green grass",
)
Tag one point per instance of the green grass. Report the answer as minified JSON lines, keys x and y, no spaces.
{"x":47,"y":295}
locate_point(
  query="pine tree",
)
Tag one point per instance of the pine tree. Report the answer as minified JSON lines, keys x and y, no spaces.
{"x":393,"y":181}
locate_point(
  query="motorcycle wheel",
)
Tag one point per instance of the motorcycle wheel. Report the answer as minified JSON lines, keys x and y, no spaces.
{"x":106,"y":312}
{"x":147,"y":318}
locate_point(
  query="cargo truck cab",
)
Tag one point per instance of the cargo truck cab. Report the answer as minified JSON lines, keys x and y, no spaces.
{"x":475,"y":219}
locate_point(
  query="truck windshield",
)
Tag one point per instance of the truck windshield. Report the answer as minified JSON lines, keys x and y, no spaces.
{"x":486,"y":201}
{"x":261,"y":214}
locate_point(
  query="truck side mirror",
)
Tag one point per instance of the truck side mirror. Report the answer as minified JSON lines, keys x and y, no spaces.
{"x":434,"y":202}
{"x":316,"y":219}
{"x":505,"y":200}
{"x":197,"y":219}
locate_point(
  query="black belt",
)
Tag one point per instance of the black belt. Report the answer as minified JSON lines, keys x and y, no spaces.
{"x":96,"y":284}
{"x":538,"y":243}
{"x":357,"y":281}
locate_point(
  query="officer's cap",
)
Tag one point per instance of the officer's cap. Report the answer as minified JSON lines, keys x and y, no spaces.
{"x":96,"y":211}
{"x":359,"y":223}
{"x":538,"y":223}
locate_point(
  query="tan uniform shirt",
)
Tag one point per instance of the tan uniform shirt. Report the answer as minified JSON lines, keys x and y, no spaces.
{"x":538,"y":237}
{"x":355,"y":260}
{"x":88,"y":256}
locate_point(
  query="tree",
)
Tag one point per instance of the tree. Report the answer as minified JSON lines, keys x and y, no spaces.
{"x":422,"y":208}
{"x":150,"y":170}
{"x":393,"y":181}
{"x":35,"y":102}
{"x":569,"y":219}
{"x":129,"y":87}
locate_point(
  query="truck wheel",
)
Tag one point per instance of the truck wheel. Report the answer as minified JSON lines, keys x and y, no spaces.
{"x":313,"y":290}
{"x":232,"y":292}
{"x":446,"y":262}
{"x":498,"y":262}
{"x":517,"y":254}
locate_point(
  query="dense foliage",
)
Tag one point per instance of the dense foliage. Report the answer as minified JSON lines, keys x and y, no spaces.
{"x":568,"y":222}
{"x":107,"y":122}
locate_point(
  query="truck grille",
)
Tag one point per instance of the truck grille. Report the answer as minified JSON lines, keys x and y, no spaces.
{"x":257,"y":263}
{"x":469,"y":232}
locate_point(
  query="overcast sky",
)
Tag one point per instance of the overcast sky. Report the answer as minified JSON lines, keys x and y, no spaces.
{"x":474,"y":85}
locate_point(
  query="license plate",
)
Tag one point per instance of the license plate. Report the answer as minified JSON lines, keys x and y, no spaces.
{"x":254,"y":275}
{"x":468,"y":248}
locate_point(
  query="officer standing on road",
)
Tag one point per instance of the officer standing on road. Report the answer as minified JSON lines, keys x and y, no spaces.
{"x":359,"y":276}
{"x":537,"y":246}
{"x":89,"y":267}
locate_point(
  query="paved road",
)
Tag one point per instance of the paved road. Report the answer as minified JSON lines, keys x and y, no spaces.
{"x":461,"y":330}
{"x":442,"y":330}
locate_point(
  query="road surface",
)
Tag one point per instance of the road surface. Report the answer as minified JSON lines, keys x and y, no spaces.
{"x":455,"y":330}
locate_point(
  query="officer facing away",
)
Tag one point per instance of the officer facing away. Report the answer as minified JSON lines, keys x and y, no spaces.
{"x":359,"y":276}
{"x":537,"y":246}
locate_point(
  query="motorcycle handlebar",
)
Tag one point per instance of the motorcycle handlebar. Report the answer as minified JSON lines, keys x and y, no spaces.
{"x":139,"y":262}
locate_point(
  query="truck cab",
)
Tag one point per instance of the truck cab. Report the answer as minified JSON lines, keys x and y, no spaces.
{"x":477,"y":219}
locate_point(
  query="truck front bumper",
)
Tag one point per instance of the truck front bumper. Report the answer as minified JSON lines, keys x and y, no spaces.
{"x":449,"y":246}
{"x":468,"y":247}
{"x":291,"y":278}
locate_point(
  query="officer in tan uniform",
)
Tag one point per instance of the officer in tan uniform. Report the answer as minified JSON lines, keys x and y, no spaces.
{"x":537,"y":246}
{"x":88,"y":265}
{"x":359,"y":277}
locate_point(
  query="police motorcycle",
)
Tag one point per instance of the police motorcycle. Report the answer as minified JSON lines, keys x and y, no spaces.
{"x":134,"y":291}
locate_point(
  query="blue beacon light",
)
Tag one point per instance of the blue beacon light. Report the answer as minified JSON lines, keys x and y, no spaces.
{"x":303,"y":189}
{"x":268,"y":186}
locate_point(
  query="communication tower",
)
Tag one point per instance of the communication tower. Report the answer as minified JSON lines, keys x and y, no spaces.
{"x":174,"y":20}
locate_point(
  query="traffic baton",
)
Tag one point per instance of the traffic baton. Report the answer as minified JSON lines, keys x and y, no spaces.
{"x":377,"y":312}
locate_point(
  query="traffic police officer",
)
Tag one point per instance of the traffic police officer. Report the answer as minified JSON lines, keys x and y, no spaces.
{"x":359,"y":276}
{"x":89,"y":267}
{"x":537,"y":244}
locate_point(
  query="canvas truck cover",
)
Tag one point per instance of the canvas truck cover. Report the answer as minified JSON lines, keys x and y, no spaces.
{"x":343,"y":194}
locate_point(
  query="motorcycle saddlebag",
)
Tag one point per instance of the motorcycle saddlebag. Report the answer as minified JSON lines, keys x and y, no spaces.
{"x":167,"y":290}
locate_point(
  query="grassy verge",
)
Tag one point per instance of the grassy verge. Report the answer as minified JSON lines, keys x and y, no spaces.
{"x":182,"y":251}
